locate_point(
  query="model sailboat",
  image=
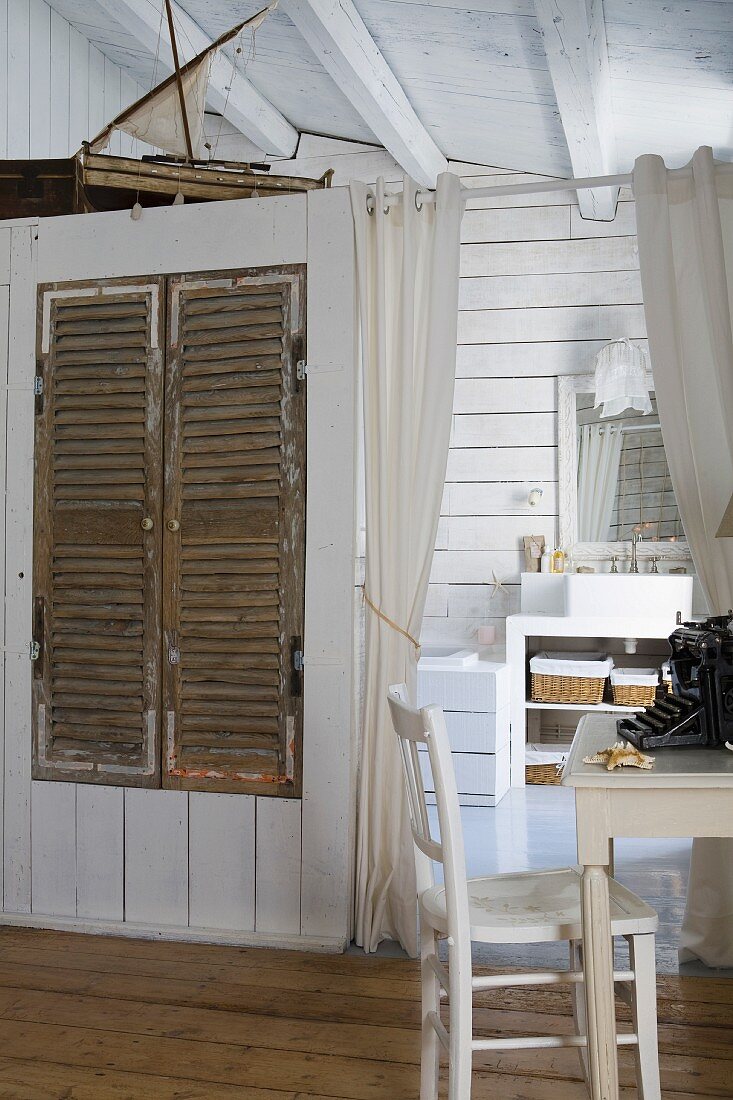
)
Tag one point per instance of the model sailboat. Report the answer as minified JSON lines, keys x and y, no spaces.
{"x":170,"y":118}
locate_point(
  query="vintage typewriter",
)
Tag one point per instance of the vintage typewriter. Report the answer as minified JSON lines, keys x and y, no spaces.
{"x":699,"y":710}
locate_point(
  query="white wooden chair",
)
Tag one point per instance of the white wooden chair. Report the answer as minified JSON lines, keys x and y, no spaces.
{"x":527,"y":907}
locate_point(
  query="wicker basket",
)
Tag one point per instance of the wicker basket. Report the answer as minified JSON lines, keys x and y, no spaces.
{"x":548,"y":775}
{"x":634,"y":695}
{"x":566,"y":689}
{"x":634,"y":687}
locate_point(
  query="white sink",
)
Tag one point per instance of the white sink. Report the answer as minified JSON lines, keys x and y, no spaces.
{"x":642,"y":595}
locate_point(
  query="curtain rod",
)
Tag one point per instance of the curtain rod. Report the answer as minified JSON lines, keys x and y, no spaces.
{"x":588,"y":182}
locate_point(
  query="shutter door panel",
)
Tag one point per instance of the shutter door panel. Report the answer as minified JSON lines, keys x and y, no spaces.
{"x":97,"y":571}
{"x":233,"y":573}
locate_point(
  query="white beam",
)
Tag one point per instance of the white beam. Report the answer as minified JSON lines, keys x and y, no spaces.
{"x":574,"y":34}
{"x":336,"y":33}
{"x":230,"y":93}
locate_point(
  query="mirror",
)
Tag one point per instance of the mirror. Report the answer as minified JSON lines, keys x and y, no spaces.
{"x":614,"y":479}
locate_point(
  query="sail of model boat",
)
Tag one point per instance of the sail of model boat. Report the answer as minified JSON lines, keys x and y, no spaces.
{"x":158,"y":118}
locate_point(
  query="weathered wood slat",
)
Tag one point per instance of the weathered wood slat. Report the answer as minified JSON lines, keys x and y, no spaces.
{"x":236,"y":426}
{"x":97,"y":571}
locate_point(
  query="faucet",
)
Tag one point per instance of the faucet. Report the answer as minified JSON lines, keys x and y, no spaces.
{"x":634,"y":567}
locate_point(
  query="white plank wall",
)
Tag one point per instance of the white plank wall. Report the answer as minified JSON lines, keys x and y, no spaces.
{"x":56,"y":88}
{"x":541,"y":292}
{"x":233,"y":868}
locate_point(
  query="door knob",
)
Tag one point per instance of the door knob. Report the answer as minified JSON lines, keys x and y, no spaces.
{"x":146,"y":524}
{"x":173,"y":525}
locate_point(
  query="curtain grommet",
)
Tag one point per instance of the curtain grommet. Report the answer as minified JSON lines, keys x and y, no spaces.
{"x":370,"y":203}
{"x":418,"y":201}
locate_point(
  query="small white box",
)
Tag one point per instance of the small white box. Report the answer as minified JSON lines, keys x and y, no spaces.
{"x":482,"y":778}
{"x":478,"y":731}
{"x":480,"y":687}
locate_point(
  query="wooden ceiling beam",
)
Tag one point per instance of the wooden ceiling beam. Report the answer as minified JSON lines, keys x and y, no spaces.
{"x":574,"y":35}
{"x":336,"y":33}
{"x":230,"y":93}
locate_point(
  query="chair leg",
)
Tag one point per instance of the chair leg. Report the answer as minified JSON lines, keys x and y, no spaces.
{"x":430,"y":1050}
{"x":644,"y":1012}
{"x":461,"y":1024}
{"x":578,"y":997}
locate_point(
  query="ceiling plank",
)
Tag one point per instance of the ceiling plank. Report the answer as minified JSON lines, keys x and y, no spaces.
{"x":574,"y":35}
{"x":230,"y":93}
{"x":336,"y":33}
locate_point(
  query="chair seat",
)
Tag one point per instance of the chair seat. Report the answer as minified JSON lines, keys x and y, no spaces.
{"x":535,"y":907}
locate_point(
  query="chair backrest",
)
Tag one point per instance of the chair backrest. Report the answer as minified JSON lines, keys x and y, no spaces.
{"x":426,"y":726}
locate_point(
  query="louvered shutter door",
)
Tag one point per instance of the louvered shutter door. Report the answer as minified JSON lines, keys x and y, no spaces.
{"x":96,"y":685}
{"x":233,"y":572}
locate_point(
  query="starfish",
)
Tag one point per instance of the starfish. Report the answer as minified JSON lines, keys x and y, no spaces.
{"x":621,"y":755}
{"x":496,"y":584}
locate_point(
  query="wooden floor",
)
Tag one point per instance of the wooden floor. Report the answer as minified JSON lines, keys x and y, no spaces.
{"x":91,"y":1018}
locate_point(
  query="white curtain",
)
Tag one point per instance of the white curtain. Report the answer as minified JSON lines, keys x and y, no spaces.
{"x":408,"y":266}
{"x":598,"y":460}
{"x":685,"y":227}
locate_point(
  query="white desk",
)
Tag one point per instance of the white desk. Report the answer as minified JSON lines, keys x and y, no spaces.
{"x":689,"y":793}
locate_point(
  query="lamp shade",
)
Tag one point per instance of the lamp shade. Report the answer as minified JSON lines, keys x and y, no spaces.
{"x":620,"y":379}
{"x":725,"y":531}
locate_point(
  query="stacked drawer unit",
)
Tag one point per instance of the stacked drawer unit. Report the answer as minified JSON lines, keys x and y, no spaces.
{"x":475,"y":701}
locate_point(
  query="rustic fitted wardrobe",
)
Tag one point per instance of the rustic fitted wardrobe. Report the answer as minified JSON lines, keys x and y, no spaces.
{"x":179,"y":545}
{"x":169,"y":531}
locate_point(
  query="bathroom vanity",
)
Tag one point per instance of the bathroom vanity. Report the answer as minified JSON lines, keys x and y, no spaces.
{"x":593,"y":607}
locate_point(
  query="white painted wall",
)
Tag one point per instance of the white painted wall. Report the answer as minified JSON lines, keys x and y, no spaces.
{"x":541,"y":292}
{"x":56,"y":89}
{"x":140,"y":861}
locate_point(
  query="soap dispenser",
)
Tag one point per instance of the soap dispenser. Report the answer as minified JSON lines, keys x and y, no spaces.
{"x":558,"y":561}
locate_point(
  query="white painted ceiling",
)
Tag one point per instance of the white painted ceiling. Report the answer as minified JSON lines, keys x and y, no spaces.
{"x":476,"y":74}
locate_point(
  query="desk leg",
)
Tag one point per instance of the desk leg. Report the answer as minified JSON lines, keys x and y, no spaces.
{"x":599,"y":994}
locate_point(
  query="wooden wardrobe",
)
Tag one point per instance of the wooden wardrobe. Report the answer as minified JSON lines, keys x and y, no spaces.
{"x":169,"y":531}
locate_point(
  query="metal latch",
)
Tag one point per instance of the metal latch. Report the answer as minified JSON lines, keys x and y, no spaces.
{"x":34,"y":650}
{"x":174,"y":655}
{"x":37,"y":385}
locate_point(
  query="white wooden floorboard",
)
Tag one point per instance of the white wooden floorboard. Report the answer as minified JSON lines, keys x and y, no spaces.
{"x":528,"y":257}
{"x":501,"y":498}
{"x":100,"y":852}
{"x":502,"y":464}
{"x":504,"y":429}
{"x":221,"y":861}
{"x":19,"y":575}
{"x":549,"y":358}
{"x":156,"y":857}
{"x":53,"y":848}
{"x":278,"y":865}
{"x":505,"y":395}
{"x":60,"y":86}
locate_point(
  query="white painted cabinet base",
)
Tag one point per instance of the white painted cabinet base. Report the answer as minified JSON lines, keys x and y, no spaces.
{"x":475,"y":702}
{"x":482,"y":778}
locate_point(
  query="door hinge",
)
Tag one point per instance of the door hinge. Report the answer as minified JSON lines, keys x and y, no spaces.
{"x":297,"y":664}
{"x":38,"y":385}
{"x":174,"y":655}
{"x":301,"y":370}
{"x":34,"y":650}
